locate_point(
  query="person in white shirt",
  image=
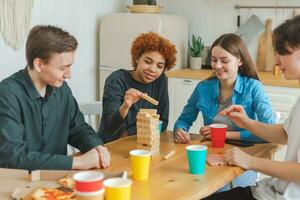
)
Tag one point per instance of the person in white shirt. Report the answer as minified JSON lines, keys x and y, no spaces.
{"x":284,"y":182}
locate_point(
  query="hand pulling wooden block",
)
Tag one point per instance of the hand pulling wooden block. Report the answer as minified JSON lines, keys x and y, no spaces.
{"x":150,"y":99}
{"x":169,"y":155}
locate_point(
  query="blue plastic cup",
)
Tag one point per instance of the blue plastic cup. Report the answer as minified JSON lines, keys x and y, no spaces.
{"x":160,"y":126}
{"x":196,"y":155}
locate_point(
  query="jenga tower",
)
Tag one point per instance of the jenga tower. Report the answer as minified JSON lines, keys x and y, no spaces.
{"x":148,"y":136}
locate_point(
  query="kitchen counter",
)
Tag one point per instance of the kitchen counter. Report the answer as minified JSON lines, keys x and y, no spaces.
{"x":267,"y":78}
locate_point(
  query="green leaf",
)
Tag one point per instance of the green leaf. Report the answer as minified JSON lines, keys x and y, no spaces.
{"x":196,"y":46}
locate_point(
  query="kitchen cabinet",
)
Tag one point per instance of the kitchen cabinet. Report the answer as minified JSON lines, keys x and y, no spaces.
{"x":282,"y":99}
{"x":179,"y":92}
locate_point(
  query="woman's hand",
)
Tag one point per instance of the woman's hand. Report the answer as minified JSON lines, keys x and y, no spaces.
{"x":205,"y":132}
{"x":235,"y":156}
{"x":237,"y":114}
{"x":182,"y":136}
{"x":131,"y":97}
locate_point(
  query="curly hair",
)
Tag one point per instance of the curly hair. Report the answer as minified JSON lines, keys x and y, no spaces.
{"x":147,"y":42}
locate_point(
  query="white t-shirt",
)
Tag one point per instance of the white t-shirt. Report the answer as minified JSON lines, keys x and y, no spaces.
{"x":274,"y":188}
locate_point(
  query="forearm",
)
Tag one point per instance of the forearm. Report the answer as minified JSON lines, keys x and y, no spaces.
{"x":185,"y":120}
{"x":246,"y":135}
{"x":189,"y":113}
{"x":82,"y":135}
{"x":288,"y":171}
{"x":124,"y":109}
{"x":36,"y":160}
{"x":85,"y":141}
{"x":181,"y":124}
{"x":269,"y":132}
{"x":243,"y":135}
{"x":110,"y":124}
{"x":233,"y":135}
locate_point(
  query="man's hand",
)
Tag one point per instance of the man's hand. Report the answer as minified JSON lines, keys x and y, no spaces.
{"x":182,"y":136}
{"x":104,"y":156}
{"x":88,"y":160}
{"x":235,"y":156}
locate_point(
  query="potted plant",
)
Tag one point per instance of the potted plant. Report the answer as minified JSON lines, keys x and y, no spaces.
{"x":196,"y":47}
{"x":140,"y":2}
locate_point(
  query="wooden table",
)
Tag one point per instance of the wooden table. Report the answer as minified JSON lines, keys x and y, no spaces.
{"x":170,"y":179}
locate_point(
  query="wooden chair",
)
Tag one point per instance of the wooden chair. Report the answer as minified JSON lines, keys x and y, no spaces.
{"x":92,"y":112}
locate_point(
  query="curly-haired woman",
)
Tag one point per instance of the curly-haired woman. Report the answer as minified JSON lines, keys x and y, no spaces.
{"x":152,"y":55}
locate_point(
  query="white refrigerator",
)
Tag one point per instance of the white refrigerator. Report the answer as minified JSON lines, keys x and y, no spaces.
{"x":118,"y":30}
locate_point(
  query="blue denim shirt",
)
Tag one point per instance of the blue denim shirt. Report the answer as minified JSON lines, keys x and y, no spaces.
{"x":248,"y":92}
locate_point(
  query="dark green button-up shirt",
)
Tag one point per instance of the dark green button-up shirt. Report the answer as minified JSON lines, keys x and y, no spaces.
{"x":35,"y":130}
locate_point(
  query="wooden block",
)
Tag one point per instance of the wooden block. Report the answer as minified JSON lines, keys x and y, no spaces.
{"x":142,"y":140}
{"x":35,"y":175}
{"x":149,"y":99}
{"x":148,"y":141}
{"x":147,"y":126}
{"x":148,"y":137}
{"x":151,"y":111}
{"x":147,"y":131}
{"x":142,"y":116}
{"x":169,"y":155}
{"x":154,"y":150}
{"x":147,"y":118}
{"x":156,"y":116}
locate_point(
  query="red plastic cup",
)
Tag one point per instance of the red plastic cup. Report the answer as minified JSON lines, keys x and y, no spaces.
{"x":218,"y":135}
{"x":88,"y":181}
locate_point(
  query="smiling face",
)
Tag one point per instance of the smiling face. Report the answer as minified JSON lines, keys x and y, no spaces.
{"x":289,"y":64}
{"x":56,"y":70}
{"x":224,"y":64}
{"x":149,"y":67}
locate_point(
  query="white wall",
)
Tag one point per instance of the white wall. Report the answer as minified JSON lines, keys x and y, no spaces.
{"x":79,"y":17}
{"x":211,"y":18}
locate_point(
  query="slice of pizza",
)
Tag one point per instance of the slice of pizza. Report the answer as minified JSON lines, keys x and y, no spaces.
{"x":50,"y":194}
{"x":67,"y":182}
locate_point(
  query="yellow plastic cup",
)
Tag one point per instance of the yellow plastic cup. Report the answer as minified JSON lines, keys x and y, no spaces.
{"x":117,"y":189}
{"x":140,"y":164}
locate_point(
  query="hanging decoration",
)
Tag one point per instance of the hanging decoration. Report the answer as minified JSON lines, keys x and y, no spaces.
{"x":15,"y":18}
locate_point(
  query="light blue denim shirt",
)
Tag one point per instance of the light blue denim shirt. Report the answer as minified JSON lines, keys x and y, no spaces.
{"x":248,"y":92}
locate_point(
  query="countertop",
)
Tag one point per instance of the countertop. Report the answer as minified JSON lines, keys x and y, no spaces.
{"x":267,"y":78}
